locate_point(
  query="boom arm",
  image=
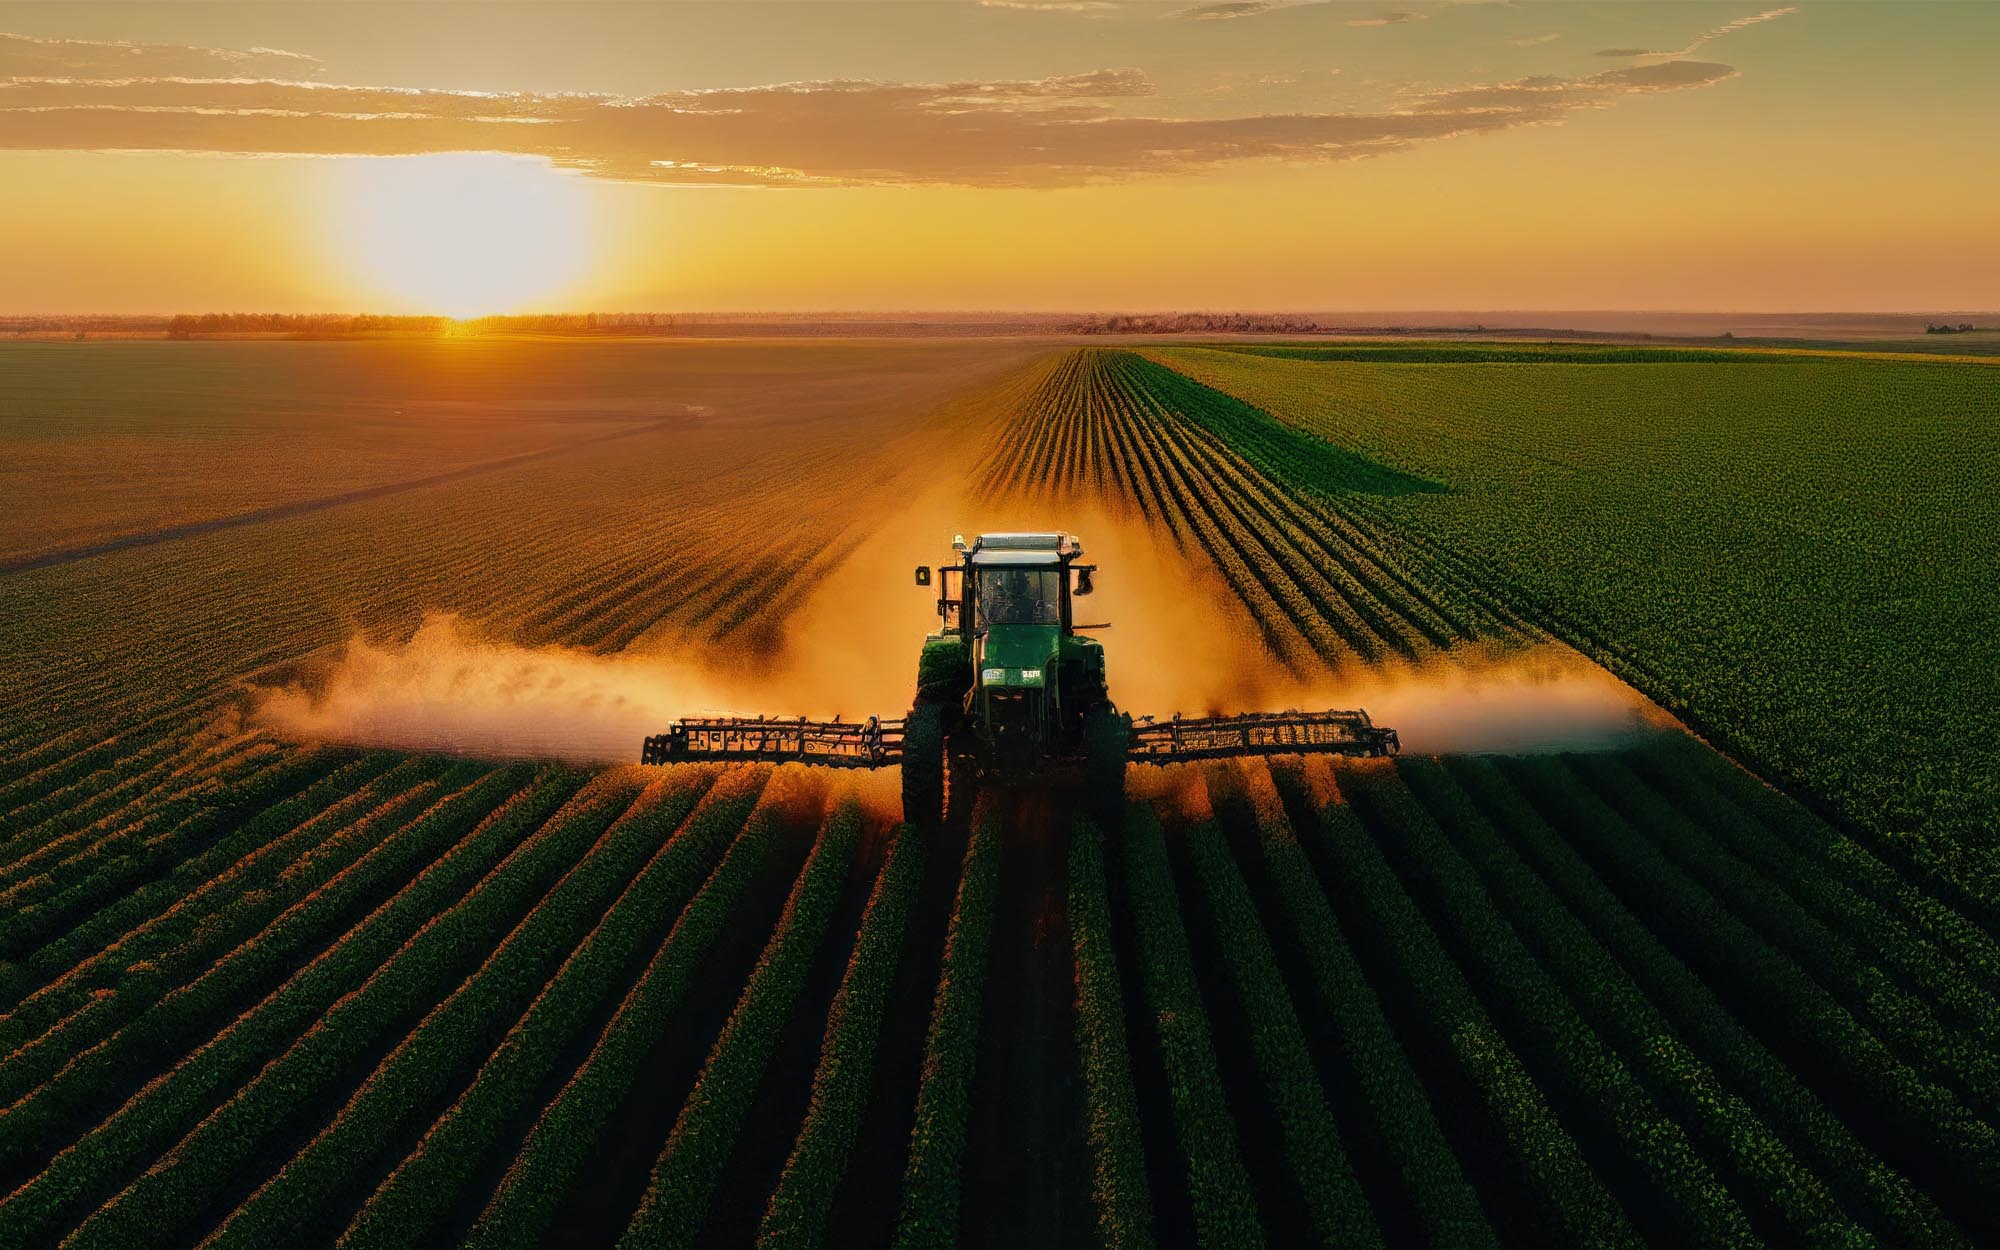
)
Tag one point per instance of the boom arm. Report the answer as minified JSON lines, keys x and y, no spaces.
{"x":877,"y":743}
{"x":872,"y":743}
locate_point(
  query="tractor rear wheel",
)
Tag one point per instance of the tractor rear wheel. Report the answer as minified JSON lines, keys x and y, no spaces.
{"x":1106,"y":733}
{"x":923,"y":766}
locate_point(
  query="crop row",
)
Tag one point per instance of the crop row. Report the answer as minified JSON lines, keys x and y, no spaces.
{"x":1225,"y":1214}
{"x":560,"y":1144}
{"x":1317,"y":586}
{"x":797,"y":1213}
{"x":704,"y":1135}
{"x":1123,"y":1206}
{"x":931,"y":1180}
{"x":459,"y":1031}
{"x":79,"y":1177}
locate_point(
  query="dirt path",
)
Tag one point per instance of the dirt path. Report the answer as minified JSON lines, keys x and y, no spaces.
{"x":1026,"y":1171}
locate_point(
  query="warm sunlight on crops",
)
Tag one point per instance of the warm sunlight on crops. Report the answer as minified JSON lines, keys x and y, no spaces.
{"x":462,"y":234}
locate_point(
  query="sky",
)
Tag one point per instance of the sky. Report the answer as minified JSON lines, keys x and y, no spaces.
{"x":1051,"y":155}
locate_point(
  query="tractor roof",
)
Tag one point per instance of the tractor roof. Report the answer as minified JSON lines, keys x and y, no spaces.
{"x":1018,"y":549}
{"x":1019,"y":542}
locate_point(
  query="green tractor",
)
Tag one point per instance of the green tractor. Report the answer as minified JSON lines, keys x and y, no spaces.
{"x":1009,"y":686}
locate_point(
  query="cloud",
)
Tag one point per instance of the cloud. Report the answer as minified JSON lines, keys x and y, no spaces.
{"x":1387,"y":19}
{"x":1708,"y":36}
{"x":1066,"y":130}
{"x":24,"y":56}
{"x":1529,"y":41}
{"x":1232,"y":9}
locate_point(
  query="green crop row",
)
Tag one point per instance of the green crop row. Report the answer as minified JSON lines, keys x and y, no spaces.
{"x":929,"y":1214}
{"x":1118,"y":1160}
{"x":204,"y":783}
{"x":1340,"y":1211}
{"x":1711,"y":532}
{"x":1225,"y":1213}
{"x":75,"y":1180}
{"x":403,"y":1209}
{"x":1888,"y":938}
{"x":1838,"y":854}
{"x":1527,"y":993}
{"x":1951,"y":1057}
{"x":209,"y":909}
{"x":704,"y":1135}
{"x":560,"y":1144}
{"x":1501,"y":353}
{"x":137,"y":926}
{"x":116,"y":865}
{"x":61,"y":821}
{"x":187,"y":1179}
{"x":1446,"y":1204}
{"x":1759,"y":981}
{"x":1609,"y":999}
{"x":1774,"y":1092}
{"x":456,"y":1033}
{"x":209,"y":1006}
{"x":1544,"y":1149}
{"x":796,"y":1216}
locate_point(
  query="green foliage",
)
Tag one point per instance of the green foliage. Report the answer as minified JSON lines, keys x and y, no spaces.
{"x":1542,"y":1147}
{"x":1339,"y":1211}
{"x":189,"y":1177}
{"x":703,"y":1137}
{"x":404,"y":1206}
{"x":1225,"y":1214}
{"x":1770,"y":1088}
{"x":1795,"y":556}
{"x":1756,"y":979}
{"x":796,"y":1217}
{"x":931,"y":1180}
{"x":158,"y":1116}
{"x":1445,"y":1202}
{"x":162,"y":1014}
{"x":1500,"y":353}
{"x":1118,"y":1163}
{"x":560,"y":1144}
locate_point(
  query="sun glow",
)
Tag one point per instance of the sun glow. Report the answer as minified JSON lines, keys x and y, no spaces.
{"x":463,"y":234}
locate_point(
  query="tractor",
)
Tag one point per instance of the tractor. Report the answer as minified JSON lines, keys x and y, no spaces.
{"x":1009,"y":686}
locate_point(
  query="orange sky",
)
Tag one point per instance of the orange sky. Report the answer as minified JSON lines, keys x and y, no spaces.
{"x":1084,"y":154}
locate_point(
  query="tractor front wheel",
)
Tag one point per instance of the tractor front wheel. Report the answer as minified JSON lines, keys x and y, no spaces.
{"x":923,"y":766}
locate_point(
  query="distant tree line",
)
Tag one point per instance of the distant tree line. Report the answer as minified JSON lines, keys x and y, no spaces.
{"x":1963,"y":327}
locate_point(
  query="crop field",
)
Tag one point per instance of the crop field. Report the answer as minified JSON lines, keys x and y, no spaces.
{"x":259,"y":988}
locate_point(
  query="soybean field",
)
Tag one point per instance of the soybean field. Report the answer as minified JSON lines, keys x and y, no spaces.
{"x":1731,"y":985}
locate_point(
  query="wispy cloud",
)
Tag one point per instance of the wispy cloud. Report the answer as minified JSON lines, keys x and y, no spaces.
{"x":1386,"y":19}
{"x":1708,"y":36}
{"x":1529,"y":41}
{"x":1229,"y":9}
{"x":24,"y":56}
{"x":1044,"y":132}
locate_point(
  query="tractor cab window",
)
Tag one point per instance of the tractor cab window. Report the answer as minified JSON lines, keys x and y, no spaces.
{"x":1025,"y":596}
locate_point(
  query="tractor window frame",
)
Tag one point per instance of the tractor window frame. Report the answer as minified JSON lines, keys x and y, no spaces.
{"x":1051,"y":581}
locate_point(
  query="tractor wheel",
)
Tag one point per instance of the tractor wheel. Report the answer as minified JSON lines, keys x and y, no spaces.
{"x":923,"y":766}
{"x":1106,"y":732}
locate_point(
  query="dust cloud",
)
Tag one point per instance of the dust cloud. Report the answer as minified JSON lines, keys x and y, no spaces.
{"x":1178,"y":640}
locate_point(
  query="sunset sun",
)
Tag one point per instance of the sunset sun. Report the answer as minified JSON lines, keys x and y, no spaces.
{"x":461,"y":234}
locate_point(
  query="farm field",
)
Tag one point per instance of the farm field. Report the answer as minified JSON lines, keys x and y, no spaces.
{"x":1794,"y":554}
{"x":258,"y":990}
